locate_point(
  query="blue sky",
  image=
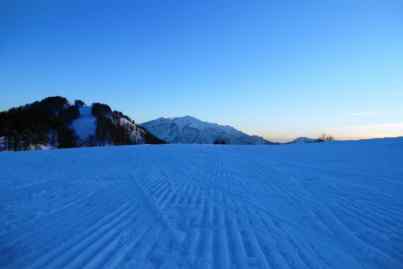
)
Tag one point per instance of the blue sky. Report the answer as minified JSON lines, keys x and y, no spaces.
{"x":276,"y":68}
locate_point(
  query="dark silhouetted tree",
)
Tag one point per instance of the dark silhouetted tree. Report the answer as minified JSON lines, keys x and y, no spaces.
{"x":325,"y":138}
{"x":220,"y":141}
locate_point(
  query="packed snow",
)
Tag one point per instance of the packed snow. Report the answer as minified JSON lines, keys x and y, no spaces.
{"x":326,"y":205}
{"x":85,"y":125}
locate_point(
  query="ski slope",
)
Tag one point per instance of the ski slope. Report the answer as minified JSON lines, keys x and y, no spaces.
{"x":85,"y":125}
{"x":329,"y":205}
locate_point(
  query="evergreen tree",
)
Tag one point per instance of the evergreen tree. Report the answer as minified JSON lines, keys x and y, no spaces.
{"x":66,"y":137}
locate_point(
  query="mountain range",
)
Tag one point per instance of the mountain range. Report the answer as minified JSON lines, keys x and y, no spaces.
{"x":190,"y":130}
{"x":54,"y":122}
{"x":303,"y":140}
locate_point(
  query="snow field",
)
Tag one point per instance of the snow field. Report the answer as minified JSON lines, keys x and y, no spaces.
{"x":332,"y":205}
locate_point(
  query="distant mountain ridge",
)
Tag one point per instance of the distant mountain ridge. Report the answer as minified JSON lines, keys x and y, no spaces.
{"x":308,"y":140}
{"x":54,"y":122}
{"x":302,"y":140}
{"x":190,"y":130}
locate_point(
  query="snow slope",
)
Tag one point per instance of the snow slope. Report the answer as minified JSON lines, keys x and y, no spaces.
{"x":85,"y":125}
{"x":326,"y":205}
{"x":189,"y":130}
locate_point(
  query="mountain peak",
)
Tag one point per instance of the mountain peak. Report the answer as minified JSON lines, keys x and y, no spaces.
{"x":191,"y":130}
{"x":188,"y":117}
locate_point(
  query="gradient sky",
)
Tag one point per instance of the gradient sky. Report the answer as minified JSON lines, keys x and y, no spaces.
{"x":280,"y":69}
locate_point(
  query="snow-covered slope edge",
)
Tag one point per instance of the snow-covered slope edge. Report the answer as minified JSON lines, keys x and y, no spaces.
{"x":190,"y":130}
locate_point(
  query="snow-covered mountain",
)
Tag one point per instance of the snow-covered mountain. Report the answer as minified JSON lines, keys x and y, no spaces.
{"x":190,"y":130}
{"x":54,"y":122}
{"x":302,"y":140}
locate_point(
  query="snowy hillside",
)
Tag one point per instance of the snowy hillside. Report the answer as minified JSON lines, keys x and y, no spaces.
{"x":85,"y":125}
{"x":54,"y":122}
{"x":324,"y":205}
{"x":113,"y":127}
{"x":189,"y":130}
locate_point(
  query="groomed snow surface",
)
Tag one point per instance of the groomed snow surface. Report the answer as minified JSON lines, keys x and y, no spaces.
{"x":329,"y":205}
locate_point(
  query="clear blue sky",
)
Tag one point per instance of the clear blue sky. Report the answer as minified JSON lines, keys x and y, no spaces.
{"x":275,"y":68}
